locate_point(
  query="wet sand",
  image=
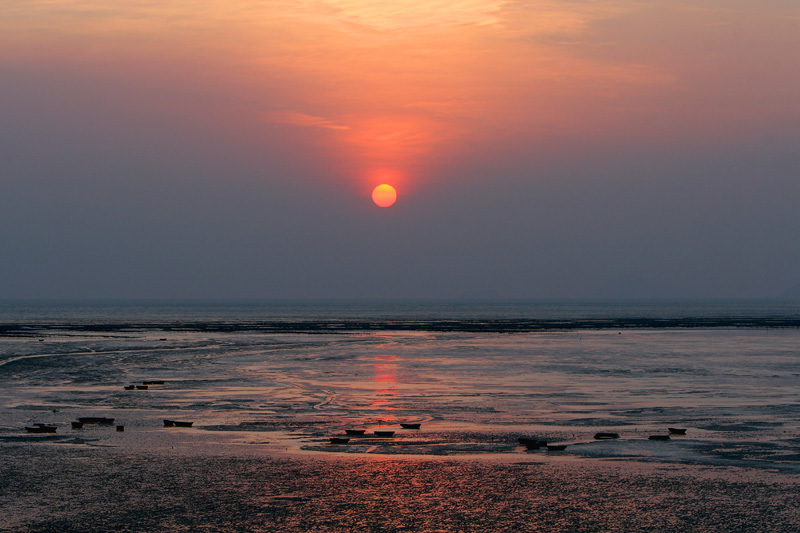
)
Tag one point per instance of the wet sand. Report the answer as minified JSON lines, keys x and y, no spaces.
{"x":258,"y":457}
{"x":75,"y":488}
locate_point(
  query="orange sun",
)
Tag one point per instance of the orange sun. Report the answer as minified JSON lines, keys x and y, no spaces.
{"x":384,"y":195}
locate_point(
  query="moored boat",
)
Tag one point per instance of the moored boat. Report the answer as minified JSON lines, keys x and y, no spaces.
{"x":41,"y":428}
{"x":95,"y":420}
{"x":677,"y":431}
{"x":182,"y":424}
{"x":355,"y":432}
{"x":606,"y":435}
{"x":384,"y":433}
{"x":339,"y":440}
{"x":168,"y":423}
{"x":658,"y":437}
{"x":129,"y":387}
{"x":77,"y":425}
{"x":406,"y":425}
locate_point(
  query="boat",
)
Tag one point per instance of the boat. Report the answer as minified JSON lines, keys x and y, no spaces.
{"x":120,"y":428}
{"x":677,"y":431}
{"x":658,"y":437}
{"x":95,"y":420}
{"x":384,"y":433}
{"x":142,"y":387}
{"x":41,"y":428}
{"x":606,"y":436}
{"x":182,"y":424}
{"x":406,"y":425}
{"x":339,"y":440}
{"x":168,"y":423}
{"x":77,"y":425}
{"x":532,"y":445}
{"x":129,"y":387}
{"x":354,"y":432}
{"x":556,"y":447}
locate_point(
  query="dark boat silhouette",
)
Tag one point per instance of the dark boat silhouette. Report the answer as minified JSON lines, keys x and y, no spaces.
{"x":534,"y":445}
{"x":95,"y":420}
{"x":182,"y":424}
{"x":41,"y":428}
{"x":339,"y":440}
{"x":355,"y":432}
{"x":658,"y":437}
{"x":168,"y":423}
{"x":406,"y":425}
{"x":142,"y":387}
{"x":606,"y":435}
{"x":556,"y":447}
{"x":129,"y":387}
{"x":384,"y":433}
{"x":77,"y":425}
{"x":677,"y":431}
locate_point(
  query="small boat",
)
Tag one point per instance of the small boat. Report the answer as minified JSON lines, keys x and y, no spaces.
{"x":677,"y":431}
{"x":120,"y":428}
{"x":77,"y":425}
{"x":153,"y":382}
{"x":96,"y":420}
{"x":658,"y":437}
{"x":556,"y":447}
{"x":41,"y":428}
{"x":339,"y":440}
{"x":532,"y":445}
{"x":354,"y":432}
{"x":129,"y":387}
{"x":182,"y":424}
{"x":384,"y":433}
{"x":142,"y":387}
{"x":168,"y":423}
{"x":406,"y":425}
{"x":606,"y":436}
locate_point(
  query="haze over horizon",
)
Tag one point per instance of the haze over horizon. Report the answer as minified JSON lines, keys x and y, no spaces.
{"x":539,"y":149}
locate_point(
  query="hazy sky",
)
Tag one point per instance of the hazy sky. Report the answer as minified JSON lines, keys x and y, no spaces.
{"x":570,"y":148}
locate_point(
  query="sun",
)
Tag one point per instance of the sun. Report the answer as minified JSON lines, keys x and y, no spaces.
{"x":384,"y":195}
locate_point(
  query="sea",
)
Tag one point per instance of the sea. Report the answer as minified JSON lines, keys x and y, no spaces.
{"x":269,"y":387}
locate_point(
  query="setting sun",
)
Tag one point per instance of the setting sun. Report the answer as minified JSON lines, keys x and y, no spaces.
{"x":384,"y":195}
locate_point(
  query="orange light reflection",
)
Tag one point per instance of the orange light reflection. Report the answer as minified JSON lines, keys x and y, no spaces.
{"x":385,"y":369}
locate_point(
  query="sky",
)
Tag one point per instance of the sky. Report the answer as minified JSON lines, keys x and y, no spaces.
{"x":539,"y":149}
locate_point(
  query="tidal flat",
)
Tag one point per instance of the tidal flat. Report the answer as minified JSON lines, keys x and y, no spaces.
{"x":264,"y":407}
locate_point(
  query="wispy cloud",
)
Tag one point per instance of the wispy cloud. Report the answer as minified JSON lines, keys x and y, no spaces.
{"x":295,"y":118}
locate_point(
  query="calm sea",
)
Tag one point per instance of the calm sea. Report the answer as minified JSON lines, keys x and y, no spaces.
{"x":104,"y":311}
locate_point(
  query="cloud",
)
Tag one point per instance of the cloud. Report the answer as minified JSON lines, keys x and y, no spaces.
{"x":295,"y":118}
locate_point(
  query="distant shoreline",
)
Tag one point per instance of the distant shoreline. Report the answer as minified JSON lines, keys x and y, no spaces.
{"x":395,"y":325}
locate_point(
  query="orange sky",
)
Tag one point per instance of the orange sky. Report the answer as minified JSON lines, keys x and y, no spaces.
{"x":410,"y":86}
{"x":538,"y":148}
